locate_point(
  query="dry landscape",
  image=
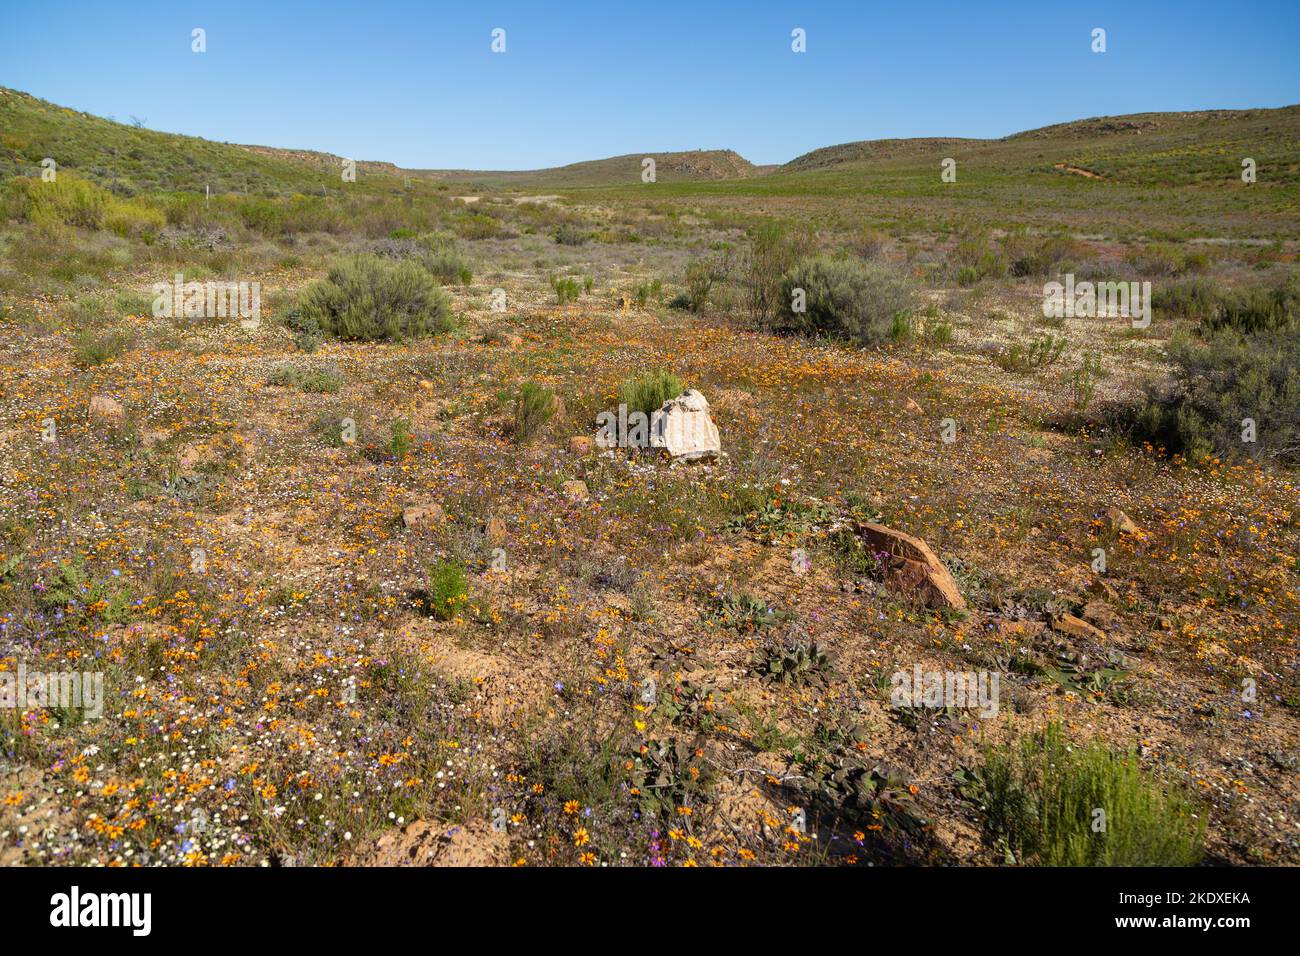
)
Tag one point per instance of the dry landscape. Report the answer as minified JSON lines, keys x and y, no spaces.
{"x":365,"y":587}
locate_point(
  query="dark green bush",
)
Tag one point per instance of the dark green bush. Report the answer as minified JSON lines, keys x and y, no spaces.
{"x":850,"y":298}
{"x":368,"y":299}
{"x":771,"y":253}
{"x":1220,"y":382}
{"x":1249,"y":309}
{"x":570,"y":235}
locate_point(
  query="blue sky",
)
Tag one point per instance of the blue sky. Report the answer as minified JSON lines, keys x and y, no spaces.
{"x":416,"y":83}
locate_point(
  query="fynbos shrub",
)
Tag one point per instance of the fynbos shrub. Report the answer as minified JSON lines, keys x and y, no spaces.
{"x":856,"y":300}
{"x":368,"y":299}
{"x":647,"y":393}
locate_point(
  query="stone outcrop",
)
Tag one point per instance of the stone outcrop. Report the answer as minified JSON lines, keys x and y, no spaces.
{"x":911,"y":568}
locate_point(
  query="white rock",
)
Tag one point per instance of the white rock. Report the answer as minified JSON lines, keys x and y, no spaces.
{"x":684,"y":427}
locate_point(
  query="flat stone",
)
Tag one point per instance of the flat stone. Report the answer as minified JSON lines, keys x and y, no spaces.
{"x":1072,"y":626}
{"x":109,"y":409}
{"x":426,"y":515}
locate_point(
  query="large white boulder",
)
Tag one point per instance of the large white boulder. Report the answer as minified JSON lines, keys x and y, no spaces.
{"x":684,"y":428}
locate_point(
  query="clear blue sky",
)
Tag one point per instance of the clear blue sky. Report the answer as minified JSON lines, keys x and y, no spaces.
{"x":415,"y":83}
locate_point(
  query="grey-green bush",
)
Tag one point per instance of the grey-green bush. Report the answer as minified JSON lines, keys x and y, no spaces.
{"x":844,"y":297}
{"x":368,"y":299}
{"x":1218,"y":384}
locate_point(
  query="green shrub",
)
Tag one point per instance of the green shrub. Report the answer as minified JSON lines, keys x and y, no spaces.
{"x":857,"y":300}
{"x":476,"y":226}
{"x":1040,"y":256}
{"x":534,"y":407}
{"x":307,"y":333}
{"x":1042,"y":351}
{"x":1190,"y":299}
{"x":92,"y":348}
{"x":1083,"y":381}
{"x":65,"y":201}
{"x":1257,"y":308}
{"x":314,"y":380}
{"x":647,"y":393}
{"x":570,"y":235}
{"x":645,"y":291}
{"x":134,"y":219}
{"x":1218,"y":384}
{"x":567,"y":289}
{"x":1041,"y":799}
{"x":368,"y":299}
{"x":868,"y":243}
{"x":399,"y":441}
{"x":446,"y":588}
{"x":772,"y":253}
{"x":700,"y":276}
{"x":447,"y":265}
{"x":977,"y":258}
{"x":1249,"y":309}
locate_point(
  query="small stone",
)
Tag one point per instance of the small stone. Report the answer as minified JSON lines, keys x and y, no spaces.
{"x":422,"y":515}
{"x":580,"y":445}
{"x":1073,"y":626}
{"x":1101,"y":614}
{"x":1120,"y":522}
{"x":576,"y":490}
{"x":913,"y":408}
{"x":495,"y":530}
{"x":109,"y":409}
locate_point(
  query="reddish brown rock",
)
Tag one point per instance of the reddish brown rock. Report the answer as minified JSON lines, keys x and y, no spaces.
{"x":108,"y":409}
{"x":1120,"y":522}
{"x":1072,"y":626}
{"x":422,"y":515}
{"x":911,"y":568}
{"x":576,"y":490}
{"x":580,"y":445}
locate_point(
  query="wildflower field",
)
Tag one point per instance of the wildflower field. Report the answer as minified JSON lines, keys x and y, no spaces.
{"x":363,"y":590}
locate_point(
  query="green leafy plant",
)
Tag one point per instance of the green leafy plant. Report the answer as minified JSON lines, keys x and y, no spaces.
{"x":1083,"y":381}
{"x":92,"y":348}
{"x":534,"y":406}
{"x":400,"y":439}
{"x":1050,"y":803}
{"x":645,"y":291}
{"x":700,"y":276}
{"x":446,"y":589}
{"x":567,"y":289}
{"x":746,"y":613}
{"x":797,"y":663}
{"x":647,"y":393}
